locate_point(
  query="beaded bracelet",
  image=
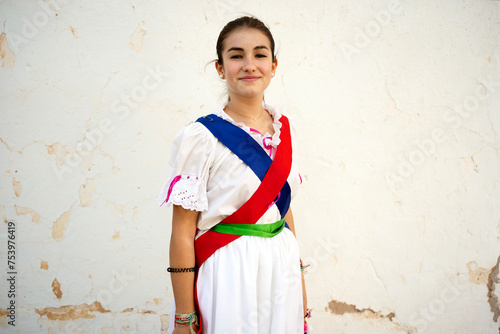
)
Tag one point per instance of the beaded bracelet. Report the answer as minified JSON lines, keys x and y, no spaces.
{"x":181,"y":270}
{"x":186,"y":319}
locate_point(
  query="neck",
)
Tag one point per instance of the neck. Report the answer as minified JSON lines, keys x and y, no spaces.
{"x":251,"y":108}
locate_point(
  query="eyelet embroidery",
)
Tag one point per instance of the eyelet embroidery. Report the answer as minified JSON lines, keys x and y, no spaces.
{"x":187,"y":193}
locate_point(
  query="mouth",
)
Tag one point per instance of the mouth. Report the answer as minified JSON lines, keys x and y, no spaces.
{"x":249,"y":78}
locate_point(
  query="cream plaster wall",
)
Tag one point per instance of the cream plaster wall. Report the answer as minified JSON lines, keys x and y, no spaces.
{"x":397,"y":107}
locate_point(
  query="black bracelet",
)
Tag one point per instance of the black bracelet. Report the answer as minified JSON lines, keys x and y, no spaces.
{"x":181,"y":270}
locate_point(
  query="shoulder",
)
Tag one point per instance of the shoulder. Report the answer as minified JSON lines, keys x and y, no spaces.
{"x":194,"y":133}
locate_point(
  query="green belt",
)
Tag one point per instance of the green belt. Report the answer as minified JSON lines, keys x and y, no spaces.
{"x":258,"y":230}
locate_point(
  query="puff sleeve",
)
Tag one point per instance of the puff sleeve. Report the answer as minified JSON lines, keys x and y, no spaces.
{"x":192,"y":153}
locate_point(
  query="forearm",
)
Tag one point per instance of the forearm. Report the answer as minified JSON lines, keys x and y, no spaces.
{"x":182,"y":255}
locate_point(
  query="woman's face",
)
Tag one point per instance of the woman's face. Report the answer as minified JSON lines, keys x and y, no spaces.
{"x":247,"y":63}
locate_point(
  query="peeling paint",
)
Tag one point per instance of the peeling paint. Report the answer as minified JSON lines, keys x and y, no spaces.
{"x":86,"y":191}
{"x":341,"y":308}
{"x":44,"y":265}
{"x":116,"y":236}
{"x":157,"y":300}
{"x":59,"y":226}
{"x":72,"y":312}
{"x":56,"y":287}
{"x":477,"y":275}
{"x":493,"y":298}
{"x":137,"y":38}
{"x":35,"y":217}
{"x":6,"y":53}
{"x":131,"y":309}
{"x":18,"y":187}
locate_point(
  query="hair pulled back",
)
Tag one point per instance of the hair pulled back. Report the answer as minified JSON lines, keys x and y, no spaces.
{"x":242,"y":23}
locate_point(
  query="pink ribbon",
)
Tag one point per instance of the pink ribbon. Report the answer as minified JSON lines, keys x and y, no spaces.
{"x":172,"y":184}
{"x":272,"y":150}
{"x":268,"y":147}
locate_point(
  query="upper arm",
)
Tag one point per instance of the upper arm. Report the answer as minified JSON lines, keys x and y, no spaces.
{"x":184,"y":222}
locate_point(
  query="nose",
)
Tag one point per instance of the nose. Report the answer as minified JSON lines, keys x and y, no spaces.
{"x":249,"y":65}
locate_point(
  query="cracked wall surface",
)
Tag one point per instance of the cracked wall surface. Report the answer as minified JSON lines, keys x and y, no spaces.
{"x":396,"y":106}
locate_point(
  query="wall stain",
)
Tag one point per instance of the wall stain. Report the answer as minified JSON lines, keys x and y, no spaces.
{"x":44,"y":265}
{"x":60,"y":151}
{"x":35,"y":217}
{"x":59,"y":226}
{"x":493,"y":294}
{"x":56,"y":287}
{"x":18,"y":187}
{"x":86,"y":191}
{"x":116,"y":236}
{"x":72,"y":312}
{"x":341,"y":308}
{"x":137,"y":38}
{"x":477,"y":275}
{"x":73,"y":31}
{"x":6,"y":53}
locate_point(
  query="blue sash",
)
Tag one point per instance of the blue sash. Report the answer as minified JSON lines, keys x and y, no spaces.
{"x":248,"y":150}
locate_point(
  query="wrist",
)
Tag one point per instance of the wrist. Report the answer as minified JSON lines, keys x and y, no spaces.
{"x":186,"y":319}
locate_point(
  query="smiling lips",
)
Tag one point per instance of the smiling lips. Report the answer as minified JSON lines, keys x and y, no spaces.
{"x":249,"y":78}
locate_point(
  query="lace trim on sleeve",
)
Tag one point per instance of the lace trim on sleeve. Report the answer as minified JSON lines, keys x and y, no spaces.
{"x":187,"y":191}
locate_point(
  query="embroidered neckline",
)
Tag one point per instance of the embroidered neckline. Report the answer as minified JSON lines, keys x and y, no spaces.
{"x":274,"y":139}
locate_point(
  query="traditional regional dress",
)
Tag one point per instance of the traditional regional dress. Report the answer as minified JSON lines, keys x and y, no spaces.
{"x":251,"y":284}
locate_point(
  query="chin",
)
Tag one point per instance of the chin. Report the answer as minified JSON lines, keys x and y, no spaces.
{"x":249,"y":93}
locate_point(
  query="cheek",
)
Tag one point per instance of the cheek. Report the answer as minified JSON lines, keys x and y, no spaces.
{"x":231,"y":70}
{"x":266,"y":67}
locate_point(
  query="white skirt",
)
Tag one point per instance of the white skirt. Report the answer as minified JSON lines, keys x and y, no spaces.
{"x":252,"y":286}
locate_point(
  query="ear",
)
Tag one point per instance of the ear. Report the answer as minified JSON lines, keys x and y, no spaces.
{"x":219,"y":68}
{"x":275,"y":64}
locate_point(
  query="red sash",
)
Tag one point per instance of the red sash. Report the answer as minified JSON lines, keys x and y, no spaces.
{"x":258,"y":204}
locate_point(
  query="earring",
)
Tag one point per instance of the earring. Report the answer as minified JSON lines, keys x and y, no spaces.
{"x":221,"y":76}
{"x":272,"y":74}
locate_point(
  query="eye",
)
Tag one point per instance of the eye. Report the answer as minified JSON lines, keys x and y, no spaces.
{"x":235,"y":57}
{"x":260,"y":55}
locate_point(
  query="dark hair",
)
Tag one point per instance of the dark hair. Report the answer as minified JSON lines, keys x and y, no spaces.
{"x":241,"y":23}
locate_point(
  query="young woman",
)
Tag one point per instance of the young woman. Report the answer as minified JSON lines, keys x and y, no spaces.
{"x":234,"y":259}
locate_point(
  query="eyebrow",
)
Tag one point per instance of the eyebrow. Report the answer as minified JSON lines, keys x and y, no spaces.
{"x":241,"y":49}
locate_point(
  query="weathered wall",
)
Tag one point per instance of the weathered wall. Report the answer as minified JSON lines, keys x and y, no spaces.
{"x":397,"y":105}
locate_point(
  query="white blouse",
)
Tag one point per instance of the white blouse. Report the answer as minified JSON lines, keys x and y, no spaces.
{"x":206,"y":176}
